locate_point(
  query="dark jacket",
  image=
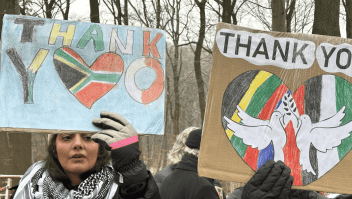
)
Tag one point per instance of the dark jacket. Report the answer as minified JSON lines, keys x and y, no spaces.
{"x":294,"y":194}
{"x":184,"y":182}
{"x":161,"y":175}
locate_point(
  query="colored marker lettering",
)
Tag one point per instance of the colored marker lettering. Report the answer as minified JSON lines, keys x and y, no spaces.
{"x":151,"y":46}
{"x":115,"y":42}
{"x":27,"y":76}
{"x":68,"y":35}
{"x":28,"y":28}
{"x":94,"y":32}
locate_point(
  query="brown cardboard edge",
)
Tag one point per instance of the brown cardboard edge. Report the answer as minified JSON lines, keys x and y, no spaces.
{"x":328,"y":182}
{"x":48,"y":131}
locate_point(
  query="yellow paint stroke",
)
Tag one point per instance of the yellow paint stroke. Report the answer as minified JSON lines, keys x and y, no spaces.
{"x":261,"y":77}
{"x":76,"y":85}
{"x":70,"y":64}
{"x":38,"y":60}
{"x":68,"y":35}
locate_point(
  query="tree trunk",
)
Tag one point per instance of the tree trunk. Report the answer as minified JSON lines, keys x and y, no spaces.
{"x":176,"y":74}
{"x":197,"y":56}
{"x":227,"y":11}
{"x":2,"y":11}
{"x":234,"y":18}
{"x":8,"y":7}
{"x":119,"y":12}
{"x":94,"y":11}
{"x":348,"y":8}
{"x":289,"y":15}
{"x":23,"y":9}
{"x":49,"y":6}
{"x":278,"y":15}
{"x":67,"y":10}
{"x":158,"y":10}
{"x":326,"y":17}
{"x":125,"y":15}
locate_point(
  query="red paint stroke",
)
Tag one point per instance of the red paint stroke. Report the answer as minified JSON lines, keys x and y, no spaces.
{"x":298,"y":96}
{"x":157,"y":87}
{"x":74,"y":55}
{"x":270,"y":105}
{"x":108,"y":62}
{"x":92,"y":92}
{"x":152,"y":46}
{"x":291,"y":153}
{"x":251,"y":155}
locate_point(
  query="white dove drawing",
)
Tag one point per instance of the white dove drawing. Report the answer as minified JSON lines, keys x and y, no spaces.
{"x":323,"y":135}
{"x":260,"y":133}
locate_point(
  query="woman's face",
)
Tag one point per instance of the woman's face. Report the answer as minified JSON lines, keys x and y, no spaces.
{"x":77,"y":153}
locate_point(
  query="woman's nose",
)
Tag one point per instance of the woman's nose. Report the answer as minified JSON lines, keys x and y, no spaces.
{"x":77,"y":142}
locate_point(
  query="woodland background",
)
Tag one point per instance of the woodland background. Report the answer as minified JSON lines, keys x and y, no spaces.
{"x":190,"y":29}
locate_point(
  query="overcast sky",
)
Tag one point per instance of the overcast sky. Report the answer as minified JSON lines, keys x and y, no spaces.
{"x":80,"y":11}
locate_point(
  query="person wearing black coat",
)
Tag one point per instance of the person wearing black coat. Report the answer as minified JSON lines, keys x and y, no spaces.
{"x":175,"y":155}
{"x":184,"y":182}
{"x":163,"y":173}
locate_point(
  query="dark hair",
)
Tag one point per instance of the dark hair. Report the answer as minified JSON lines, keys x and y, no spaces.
{"x":56,"y":171}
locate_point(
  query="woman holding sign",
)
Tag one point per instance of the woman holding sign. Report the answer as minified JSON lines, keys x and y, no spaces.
{"x":78,"y":166}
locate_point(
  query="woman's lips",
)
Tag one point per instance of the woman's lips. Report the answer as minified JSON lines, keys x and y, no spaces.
{"x":78,"y":155}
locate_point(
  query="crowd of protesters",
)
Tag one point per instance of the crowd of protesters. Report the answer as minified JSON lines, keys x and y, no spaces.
{"x":107,"y":165}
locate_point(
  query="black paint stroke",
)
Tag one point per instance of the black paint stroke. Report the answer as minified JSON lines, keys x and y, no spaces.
{"x":21,"y":69}
{"x":312,"y":99}
{"x":234,"y":92}
{"x":69,"y":76}
{"x":28,"y":27}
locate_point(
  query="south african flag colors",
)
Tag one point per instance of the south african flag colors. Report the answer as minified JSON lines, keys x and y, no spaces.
{"x":259,"y":93}
{"x":87,"y":84}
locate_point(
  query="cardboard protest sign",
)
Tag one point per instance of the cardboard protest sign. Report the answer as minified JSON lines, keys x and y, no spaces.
{"x":279,"y":96}
{"x":59,"y":74}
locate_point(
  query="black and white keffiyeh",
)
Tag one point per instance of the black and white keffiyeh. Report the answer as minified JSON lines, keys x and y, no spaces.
{"x":38,"y":183}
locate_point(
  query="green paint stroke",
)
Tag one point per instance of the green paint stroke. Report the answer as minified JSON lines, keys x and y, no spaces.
{"x":102,"y":78}
{"x":97,"y":38}
{"x":69,"y":58}
{"x":31,"y":77}
{"x":256,"y":104}
{"x":238,"y":145}
{"x":262,"y":95}
{"x":344,"y":98}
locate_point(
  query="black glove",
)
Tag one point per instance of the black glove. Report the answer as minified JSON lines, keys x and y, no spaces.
{"x":119,"y":136}
{"x":272,"y":180}
{"x":344,"y":196}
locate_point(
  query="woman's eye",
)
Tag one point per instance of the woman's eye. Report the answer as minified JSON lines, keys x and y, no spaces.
{"x":66,"y":138}
{"x":88,"y":138}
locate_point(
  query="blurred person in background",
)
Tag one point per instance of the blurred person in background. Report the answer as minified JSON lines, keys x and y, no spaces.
{"x":184,"y":182}
{"x":175,"y":155}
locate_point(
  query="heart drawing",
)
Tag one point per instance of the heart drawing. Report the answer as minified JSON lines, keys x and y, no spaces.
{"x":309,"y":130}
{"x":88,"y":84}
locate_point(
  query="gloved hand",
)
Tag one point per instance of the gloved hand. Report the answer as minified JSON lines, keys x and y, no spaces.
{"x":344,"y":196}
{"x":272,"y":180}
{"x":119,"y":136}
